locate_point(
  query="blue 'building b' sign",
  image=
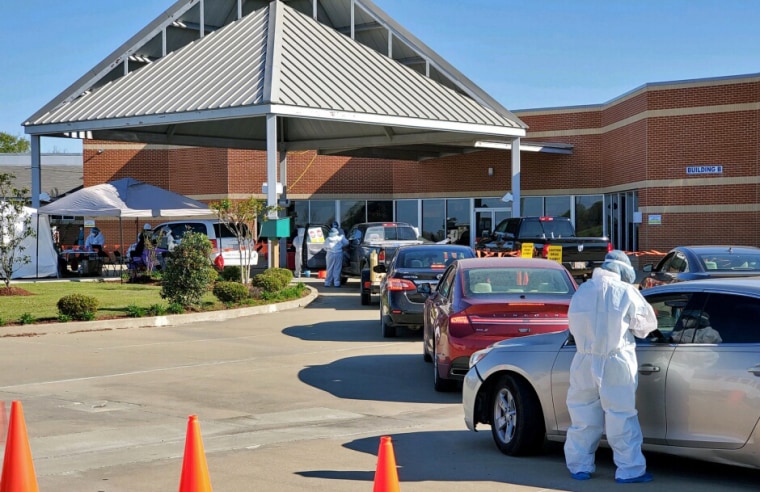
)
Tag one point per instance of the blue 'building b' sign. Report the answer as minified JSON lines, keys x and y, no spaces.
{"x":704,"y":169}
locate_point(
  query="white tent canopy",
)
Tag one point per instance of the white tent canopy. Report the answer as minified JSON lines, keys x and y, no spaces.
{"x":126,"y":197}
{"x":39,"y":248}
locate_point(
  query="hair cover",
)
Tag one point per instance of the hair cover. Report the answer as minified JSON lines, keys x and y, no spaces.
{"x":618,"y":262}
{"x":147,"y":227}
{"x":335,"y":225}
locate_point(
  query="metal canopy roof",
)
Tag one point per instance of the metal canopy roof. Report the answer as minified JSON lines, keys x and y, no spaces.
{"x":340,"y":75}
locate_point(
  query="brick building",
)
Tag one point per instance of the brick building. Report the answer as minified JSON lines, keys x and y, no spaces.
{"x":665,"y":164}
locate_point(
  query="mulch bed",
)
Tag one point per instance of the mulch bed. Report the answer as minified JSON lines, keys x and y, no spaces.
{"x":14,"y":291}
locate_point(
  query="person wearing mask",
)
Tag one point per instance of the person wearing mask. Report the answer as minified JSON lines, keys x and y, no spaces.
{"x":95,"y":241}
{"x":696,"y":329}
{"x":605,"y":314}
{"x":333,"y":247}
{"x":298,"y":245}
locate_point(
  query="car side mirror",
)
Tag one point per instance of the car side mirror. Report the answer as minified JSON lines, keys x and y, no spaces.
{"x":648,"y":268}
{"x":379,"y":268}
{"x":424,"y":288}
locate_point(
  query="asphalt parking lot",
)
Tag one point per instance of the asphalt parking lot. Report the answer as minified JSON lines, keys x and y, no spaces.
{"x":291,"y":400}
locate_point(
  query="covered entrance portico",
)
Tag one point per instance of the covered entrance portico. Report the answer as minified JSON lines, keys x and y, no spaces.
{"x":240,"y":84}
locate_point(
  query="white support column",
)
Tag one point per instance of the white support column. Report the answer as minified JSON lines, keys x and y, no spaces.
{"x":284,"y":181}
{"x":271,"y":178}
{"x":516,"y":212}
{"x":36,"y":172}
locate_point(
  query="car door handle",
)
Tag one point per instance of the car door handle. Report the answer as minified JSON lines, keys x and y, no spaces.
{"x":648,"y":369}
{"x":754,"y":370}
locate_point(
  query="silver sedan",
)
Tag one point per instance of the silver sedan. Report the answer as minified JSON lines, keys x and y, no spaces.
{"x":699,"y":378}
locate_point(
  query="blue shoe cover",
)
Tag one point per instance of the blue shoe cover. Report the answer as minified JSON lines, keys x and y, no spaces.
{"x":646,"y":477}
{"x":581,"y":475}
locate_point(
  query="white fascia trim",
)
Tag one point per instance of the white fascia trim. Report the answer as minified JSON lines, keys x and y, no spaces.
{"x":279,"y":110}
{"x":372,"y":119}
{"x":524,"y":147}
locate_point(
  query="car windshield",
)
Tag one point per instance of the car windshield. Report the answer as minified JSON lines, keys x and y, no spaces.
{"x":390,"y":233}
{"x":485,"y":281}
{"x":432,"y":258}
{"x":731,"y":262}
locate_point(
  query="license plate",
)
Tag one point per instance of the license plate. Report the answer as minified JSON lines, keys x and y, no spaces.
{"x":578,"y":265}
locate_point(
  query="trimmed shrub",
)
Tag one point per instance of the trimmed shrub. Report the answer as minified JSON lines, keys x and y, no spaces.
{"x":231,"y":274}
{"x":230,"y":292}
{"x":189,"y":273}
{"x":270,"y":280}
{"x":286,"y":274}
{"x":78,"y":306}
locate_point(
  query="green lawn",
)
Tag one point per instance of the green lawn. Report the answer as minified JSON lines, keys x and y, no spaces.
{"x":114,"y":299}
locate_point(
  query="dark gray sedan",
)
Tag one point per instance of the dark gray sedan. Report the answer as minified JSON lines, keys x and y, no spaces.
{"x":400,"y":303}
{"x":700,"y":262}
{"x":699,"y":378}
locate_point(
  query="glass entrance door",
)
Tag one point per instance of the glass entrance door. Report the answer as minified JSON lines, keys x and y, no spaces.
{"x":486,"y":219}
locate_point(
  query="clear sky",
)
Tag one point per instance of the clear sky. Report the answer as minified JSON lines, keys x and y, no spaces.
{"x":524,"y":53}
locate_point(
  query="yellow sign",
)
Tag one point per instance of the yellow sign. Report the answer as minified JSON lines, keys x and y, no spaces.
{"x":527,"y":250}
{"x":555,"y":253}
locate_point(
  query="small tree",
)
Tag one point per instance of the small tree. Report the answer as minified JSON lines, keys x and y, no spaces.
{"x":188,"y":273}
{"x":242,"y":218}
{"x":13,"y":145}
{"x":15,"y":226}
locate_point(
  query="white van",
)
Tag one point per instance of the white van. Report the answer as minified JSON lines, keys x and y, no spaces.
{"x":224,"y":242}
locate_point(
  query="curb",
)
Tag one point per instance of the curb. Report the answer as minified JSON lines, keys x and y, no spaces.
{"x":154,"y":321}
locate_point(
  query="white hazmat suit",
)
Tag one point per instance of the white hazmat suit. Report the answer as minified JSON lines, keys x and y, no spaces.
{"x":334,"y":255}
{"x":298,"y":244}
{"x":604,"y":315}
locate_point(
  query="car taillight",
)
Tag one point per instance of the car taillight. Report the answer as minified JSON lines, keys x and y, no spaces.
{"x":545,"y":251}
{"x":610,"y":247}
{"x":459,"y":325}
{"x":400,"y":284}
{"x":219,"y":262}
{"x":381,"y":256}
{"x":213,"y":243}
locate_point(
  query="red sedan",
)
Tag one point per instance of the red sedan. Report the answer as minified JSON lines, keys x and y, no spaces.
{"x":480,"y":301}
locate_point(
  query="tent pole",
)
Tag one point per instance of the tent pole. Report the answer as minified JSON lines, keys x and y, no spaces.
{"x":37,"y":249}
{"x":123,"y":250}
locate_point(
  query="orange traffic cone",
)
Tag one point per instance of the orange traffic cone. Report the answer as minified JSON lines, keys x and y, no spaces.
{"x":386,"y":475}
{"x":194,"y":468}
{"x":18,"y":468}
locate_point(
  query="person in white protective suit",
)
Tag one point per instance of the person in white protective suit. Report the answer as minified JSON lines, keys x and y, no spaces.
{"x":604,"y":315}
{"x":298,"y":244}
{"x":334,"y":255}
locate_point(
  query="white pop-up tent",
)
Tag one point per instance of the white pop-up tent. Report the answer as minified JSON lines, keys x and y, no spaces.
{"x":39,"y":248}
{"x":126,"y":197}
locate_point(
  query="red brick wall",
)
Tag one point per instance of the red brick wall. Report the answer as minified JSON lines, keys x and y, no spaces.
{"x":644,"y":141}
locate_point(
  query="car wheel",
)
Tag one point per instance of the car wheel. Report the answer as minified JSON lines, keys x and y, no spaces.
{"x":439,"y":383}
{"x":366,"y":297}
{"x":388,"y":330}
{"x":517,"y":423}
{"x":425,"y":354}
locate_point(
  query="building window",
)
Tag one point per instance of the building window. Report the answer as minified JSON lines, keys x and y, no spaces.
{"x":352,"y":212}
{"x":380,"y":211}
{"x":532,"y":206}
{"x":322,"y":212}
{"x":407,"y":211}
{"x":458,"y":220}
{"x":557,"y":206}
{"x":434,"y":219}
{"x":589,"y":217}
